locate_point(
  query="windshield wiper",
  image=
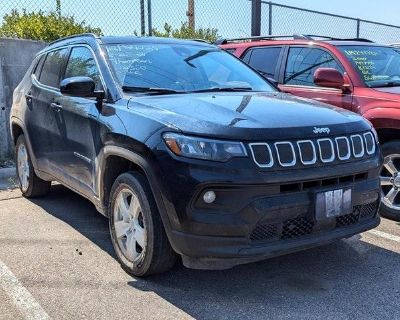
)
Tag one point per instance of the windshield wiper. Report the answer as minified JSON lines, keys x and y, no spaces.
{"x":224,"y":89}
{"x":150,"y":89}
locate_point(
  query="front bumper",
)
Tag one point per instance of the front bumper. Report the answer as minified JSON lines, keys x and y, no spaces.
{"x":260,"y":214}
{"x":218,"y":253}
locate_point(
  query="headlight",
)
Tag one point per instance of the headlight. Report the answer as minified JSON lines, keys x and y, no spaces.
{"x":206,"y":149}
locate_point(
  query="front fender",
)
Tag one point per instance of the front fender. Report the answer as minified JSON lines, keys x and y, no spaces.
{"x":383,"y":117}
{"x":151,"y":172}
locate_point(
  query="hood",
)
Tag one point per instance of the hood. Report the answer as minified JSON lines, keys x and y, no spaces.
{"x":392,"y":90}
{"x":247,"y":116}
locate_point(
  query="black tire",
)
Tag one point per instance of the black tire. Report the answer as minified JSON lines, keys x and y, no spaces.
{"x":390,"y":148}
{"x":158,"y":255}
{"x":36,"y":187}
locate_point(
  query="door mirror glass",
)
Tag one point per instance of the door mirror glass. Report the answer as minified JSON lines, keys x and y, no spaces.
{"x":328,"y":77}
{"x":78,"y":87}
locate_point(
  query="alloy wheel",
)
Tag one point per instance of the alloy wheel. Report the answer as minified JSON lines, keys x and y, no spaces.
{"x":129,"y":226}
{"x":390,"y":181}
{"x":23,"y":167}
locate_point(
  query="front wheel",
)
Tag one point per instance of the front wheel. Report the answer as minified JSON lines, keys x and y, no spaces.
{"x":30,"y":184}
{"x":390,"y":181}
{"x":137,"y":232}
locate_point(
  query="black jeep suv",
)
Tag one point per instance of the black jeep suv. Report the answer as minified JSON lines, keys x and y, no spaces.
{"x":190,"y":152}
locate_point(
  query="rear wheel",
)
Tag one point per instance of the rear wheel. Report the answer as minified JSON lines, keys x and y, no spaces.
{"x":137,"y":232}
{"x":390,"y":180}
{"x":30,"y":184}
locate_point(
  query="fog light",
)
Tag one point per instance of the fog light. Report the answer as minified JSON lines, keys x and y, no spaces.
{"x":209,"y":197}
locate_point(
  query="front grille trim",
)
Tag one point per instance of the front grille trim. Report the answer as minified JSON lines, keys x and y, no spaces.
{"x":330,"y":159}
{"x":314,"y":159}
{"x":372,"y":151}
{"x":347,"y":157}
{"x":283,"y":164}
{"x":360,"y":154}
{"x":355,"y":147}
{"x":267,"y":165}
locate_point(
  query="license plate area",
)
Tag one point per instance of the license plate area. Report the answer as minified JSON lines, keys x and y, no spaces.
{"x":333,"y":203}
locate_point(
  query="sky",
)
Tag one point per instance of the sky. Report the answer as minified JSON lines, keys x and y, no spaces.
{"x":386,"y":11}
{"x":232,"y":18}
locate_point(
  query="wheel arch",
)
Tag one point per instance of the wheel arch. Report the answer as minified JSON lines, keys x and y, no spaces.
{"x":115,"y":160}
{"x":16,"y":128}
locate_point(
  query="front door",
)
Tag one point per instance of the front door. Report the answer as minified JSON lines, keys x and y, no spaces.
{"x":78,"y":128}
{"x":298,"y":78}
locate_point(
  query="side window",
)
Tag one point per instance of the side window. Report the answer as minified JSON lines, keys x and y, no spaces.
{"x":52,"y":67}
{"x":265,"y":59}
{"x":81,"y":63}
{"x":302,"y":63}
{"x":38,"y":67}
{"x":246,"y":56}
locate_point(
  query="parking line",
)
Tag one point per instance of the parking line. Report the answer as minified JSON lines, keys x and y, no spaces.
{"x":385,"y":235}
{"x":20,"y":296}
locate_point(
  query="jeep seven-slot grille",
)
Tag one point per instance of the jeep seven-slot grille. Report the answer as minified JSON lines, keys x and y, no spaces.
{"x":313,"y":152}
{"x":295,"y":228}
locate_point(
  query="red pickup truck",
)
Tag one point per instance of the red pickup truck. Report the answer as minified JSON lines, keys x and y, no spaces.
{"x":355,"y":74}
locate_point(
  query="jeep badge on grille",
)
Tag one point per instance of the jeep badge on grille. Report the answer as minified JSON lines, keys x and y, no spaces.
{"x":321,"y":130}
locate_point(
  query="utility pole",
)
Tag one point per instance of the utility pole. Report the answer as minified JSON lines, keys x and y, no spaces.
{"x":255,"y":17}
{"x":149,"y":18}
{"x":190,"y":14}
{"x":142,"y":19}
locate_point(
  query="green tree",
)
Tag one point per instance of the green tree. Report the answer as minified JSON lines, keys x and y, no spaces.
{"x":42,"y":26}
{"x":186,"y":32}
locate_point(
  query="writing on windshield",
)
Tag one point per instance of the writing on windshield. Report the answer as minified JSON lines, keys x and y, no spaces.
{"x":378,"y":66}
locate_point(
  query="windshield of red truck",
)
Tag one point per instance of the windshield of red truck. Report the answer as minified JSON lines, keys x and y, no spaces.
{"x":378,"y":66}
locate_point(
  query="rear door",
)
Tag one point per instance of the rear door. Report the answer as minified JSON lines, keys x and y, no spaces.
{"x":43,"y":120}
{"x":266,"y":60}
{"x":298,"y":76}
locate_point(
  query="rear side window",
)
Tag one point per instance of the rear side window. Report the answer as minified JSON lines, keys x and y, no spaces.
{"x":52,"y":68}
{"x":81,"y":63}
{"x":302,"y":63}
{"x":38,"y":67}
{"x":265,"y":60}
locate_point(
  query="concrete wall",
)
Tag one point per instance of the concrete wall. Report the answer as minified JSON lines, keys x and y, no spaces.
{"x":16,"y":56}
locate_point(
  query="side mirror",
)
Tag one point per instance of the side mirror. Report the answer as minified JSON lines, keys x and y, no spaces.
{"x":78,"y":87}
{"x":329,"y":77}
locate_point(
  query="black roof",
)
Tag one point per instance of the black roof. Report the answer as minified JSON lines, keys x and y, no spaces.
{"x":88,"y":38}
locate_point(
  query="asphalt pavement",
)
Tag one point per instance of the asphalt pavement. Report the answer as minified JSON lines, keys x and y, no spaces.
{"x":57,"y":261}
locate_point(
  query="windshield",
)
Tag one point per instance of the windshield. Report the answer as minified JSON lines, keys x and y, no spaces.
{"x":378,"y":66}
{"x":169,"y":68}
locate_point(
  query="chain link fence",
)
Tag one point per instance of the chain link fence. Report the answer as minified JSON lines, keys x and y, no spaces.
{"x":230,"y":18}
{"x":289,"y":20}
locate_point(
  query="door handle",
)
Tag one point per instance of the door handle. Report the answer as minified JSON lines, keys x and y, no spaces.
{"x":56,"y":107}
{"x":29,"y":99}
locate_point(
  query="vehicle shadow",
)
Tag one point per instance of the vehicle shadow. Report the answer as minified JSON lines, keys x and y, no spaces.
{"x":79,"y":213}
{"x":349,"y":279}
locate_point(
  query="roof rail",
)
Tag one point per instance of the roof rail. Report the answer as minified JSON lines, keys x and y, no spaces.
{"x":309,"y":37}
{"x":200,"y":40}
{"x":254,"y":38}
{"x":75,"y":36}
